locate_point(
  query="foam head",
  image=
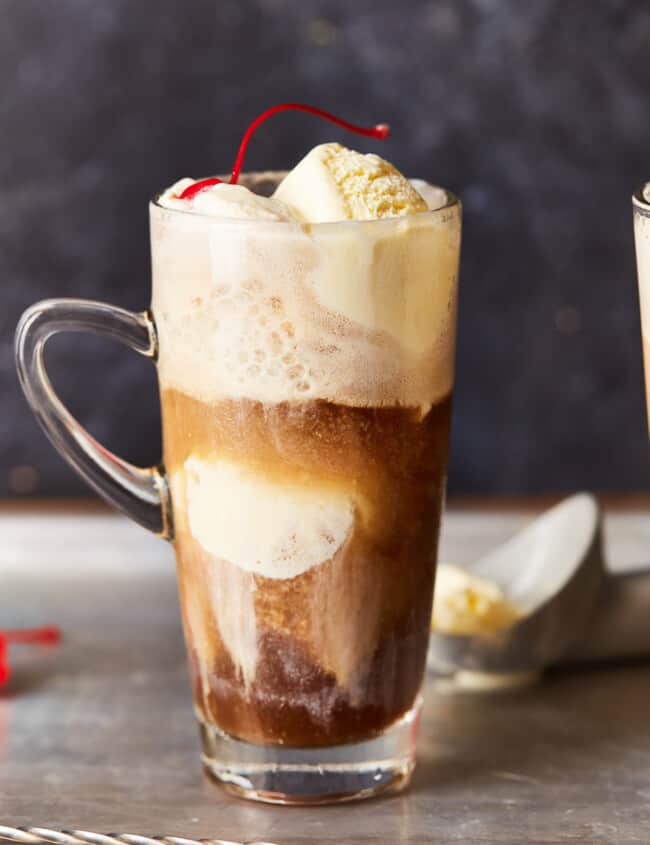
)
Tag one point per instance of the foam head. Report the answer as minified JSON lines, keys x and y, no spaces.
{"x":356,"y":313}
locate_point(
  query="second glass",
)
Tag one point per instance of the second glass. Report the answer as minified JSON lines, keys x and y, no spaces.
{"x":305,"y":377}
{"x":641,"y":211}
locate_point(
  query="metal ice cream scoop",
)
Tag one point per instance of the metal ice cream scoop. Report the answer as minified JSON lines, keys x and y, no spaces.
{"x":572,"y":608}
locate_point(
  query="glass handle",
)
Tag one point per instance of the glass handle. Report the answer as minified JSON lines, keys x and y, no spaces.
{"x":140,"y":493}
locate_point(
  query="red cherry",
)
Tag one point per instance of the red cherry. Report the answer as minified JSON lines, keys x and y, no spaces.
{"x":380,"y":131}
{"x":47,"y":635}
{"x":5,"y":672}
{"x":192,"y":190}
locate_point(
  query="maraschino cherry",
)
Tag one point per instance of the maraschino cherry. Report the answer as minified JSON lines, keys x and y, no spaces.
{"x":380,"y":130}
{"x":48,"y":635}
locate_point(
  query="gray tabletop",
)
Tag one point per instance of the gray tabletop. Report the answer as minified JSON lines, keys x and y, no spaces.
{"x":98,"y":734}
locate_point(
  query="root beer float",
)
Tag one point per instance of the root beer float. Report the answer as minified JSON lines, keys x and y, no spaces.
{"x":306,"y":369}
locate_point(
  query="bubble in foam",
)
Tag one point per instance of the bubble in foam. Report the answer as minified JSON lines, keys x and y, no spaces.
{"x":252,"y":286}
{"x":296,"y":371}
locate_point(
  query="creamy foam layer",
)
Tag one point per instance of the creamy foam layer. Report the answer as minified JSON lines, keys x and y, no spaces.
{"x":358,"y":313}
{"x":227,"y":202}
{"x":277,"y":530}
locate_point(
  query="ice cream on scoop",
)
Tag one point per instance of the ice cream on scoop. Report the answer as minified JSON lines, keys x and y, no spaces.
{"x":334,"y":183}
{"x":466,"y":604}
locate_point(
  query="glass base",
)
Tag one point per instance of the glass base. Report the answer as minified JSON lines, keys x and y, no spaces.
{"x":279,"y":775}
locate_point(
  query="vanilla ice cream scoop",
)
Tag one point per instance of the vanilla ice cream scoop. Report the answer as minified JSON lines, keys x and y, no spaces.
{"x":334,"y":183}
{"x":271,"y":529}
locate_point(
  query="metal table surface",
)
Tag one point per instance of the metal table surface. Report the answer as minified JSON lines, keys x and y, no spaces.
{"x":98,"y":734}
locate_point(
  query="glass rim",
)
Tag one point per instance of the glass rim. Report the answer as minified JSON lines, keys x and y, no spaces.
{"x":451,"y":201}
{"x":641,"y":198}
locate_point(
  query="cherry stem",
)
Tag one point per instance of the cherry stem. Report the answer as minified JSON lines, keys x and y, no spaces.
{"x":379,"y":130}
{"x":46,"y":635}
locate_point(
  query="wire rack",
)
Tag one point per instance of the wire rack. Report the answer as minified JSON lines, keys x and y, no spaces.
{"x":40,"y":835}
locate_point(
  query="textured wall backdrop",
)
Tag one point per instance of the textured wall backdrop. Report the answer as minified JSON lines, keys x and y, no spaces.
{"x":535,"y":113}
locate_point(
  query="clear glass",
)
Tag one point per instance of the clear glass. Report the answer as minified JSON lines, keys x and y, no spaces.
{"x":641,"y":209}
{"x":305,"y":378}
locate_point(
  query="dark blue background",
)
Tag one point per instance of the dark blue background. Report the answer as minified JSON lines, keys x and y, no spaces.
{"x":536,"y":113}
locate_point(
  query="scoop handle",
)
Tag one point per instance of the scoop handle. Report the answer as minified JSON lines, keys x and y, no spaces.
{"x":619,"y":627}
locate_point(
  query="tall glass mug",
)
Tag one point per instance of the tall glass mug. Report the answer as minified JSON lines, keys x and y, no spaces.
{"x":641,"y":207}
{"x":305,"y":379}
